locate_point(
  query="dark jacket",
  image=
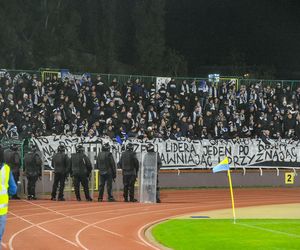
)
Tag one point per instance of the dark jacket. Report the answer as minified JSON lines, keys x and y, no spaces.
{"x":129,"y":163}
{"x":159,"y":162}
{"x":33,"y":164}
{"x":13,"y":159}
{"x":80,"y":164}
{"x":106,"y":164}
{"x":61,"y":163}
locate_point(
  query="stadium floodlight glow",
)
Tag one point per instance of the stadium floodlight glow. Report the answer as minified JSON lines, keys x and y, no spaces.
{"x":214,"y":77}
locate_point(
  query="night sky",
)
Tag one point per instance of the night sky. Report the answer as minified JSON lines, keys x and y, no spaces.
{"x":254,"y":33}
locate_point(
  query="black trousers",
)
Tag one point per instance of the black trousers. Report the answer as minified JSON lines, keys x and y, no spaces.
{"x":59,"y":179}
{"x":157,"y":189}
{"x":31,"y":185}
{"x":16,"y":177}
{"x":105,"y":179}
{"x":84,"y":182}
{"x":128,"y":182}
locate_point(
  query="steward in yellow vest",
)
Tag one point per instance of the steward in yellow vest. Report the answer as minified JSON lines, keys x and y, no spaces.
{"x":7,"y":187}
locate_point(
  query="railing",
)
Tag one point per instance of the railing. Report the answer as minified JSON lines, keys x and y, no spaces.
{"x":121,"y":79}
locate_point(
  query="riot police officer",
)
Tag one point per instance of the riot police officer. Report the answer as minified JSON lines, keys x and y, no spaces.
{"x":13,"y":159}
{"x":81,"y":169}
{"x":150,"y":148}
{"x":107,"y":167}
{"x":33,"y":169}
{"x":130,"y":166}
{"x":61,"y":164}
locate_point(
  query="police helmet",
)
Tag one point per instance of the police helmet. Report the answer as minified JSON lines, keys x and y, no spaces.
{"x":79,"y":148}
{"x":150,"y":147}
{"x":106,"y":147}
{"x":61,"y":148}
{"x":129,"y":147}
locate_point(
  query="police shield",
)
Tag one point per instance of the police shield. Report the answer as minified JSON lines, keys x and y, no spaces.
{"x":94,"y":177}
{"x":148,"y":177}
{"x":117,"y":186}
{"x":137,"y":185}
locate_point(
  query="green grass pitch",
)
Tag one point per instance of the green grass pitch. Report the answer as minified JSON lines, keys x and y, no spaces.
{"x":223,"y":234}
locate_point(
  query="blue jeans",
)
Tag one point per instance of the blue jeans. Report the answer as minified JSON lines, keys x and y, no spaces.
{"x":2,"y":226}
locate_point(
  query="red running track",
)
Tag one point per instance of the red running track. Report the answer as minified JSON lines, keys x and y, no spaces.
{"x":47,"y":225}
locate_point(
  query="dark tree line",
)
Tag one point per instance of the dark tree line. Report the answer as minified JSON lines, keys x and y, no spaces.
{"x":125,"y":36}
{"x":176,"y":37}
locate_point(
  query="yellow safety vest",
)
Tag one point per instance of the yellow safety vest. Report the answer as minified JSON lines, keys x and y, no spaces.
{"x":4,"y":176}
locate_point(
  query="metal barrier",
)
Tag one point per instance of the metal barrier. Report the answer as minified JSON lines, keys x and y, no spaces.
{"x":42,"y":73}
{"x":293,"y":84}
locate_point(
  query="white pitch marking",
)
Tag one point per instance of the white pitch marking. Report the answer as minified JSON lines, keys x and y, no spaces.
{"x":269,"y":230}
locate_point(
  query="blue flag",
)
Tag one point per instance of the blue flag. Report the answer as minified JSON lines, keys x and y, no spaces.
{"x":222,"y":166}
{"x":119,"y":140}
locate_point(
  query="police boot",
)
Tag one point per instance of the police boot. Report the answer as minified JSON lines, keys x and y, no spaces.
{"x":61,"y":199}
{"x":16,"y":197}
{"x":111,"y":199}
{"x":133,"y":200}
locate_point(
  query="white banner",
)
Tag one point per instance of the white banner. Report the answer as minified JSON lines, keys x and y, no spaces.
{"x":162,"y":80}
{"x":192,"y":154}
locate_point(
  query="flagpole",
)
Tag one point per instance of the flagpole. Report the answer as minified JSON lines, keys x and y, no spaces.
{"x":231,"y":193}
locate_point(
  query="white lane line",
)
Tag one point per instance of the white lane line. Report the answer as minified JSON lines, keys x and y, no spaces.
{"x":95,"y":226}
{"x":127,"y":215}
{"x":29,"y":227}
{"x":79,"y":208}
{"x":142,"y":229}
{"x":44,"y":229}
{"x":86,"y":223}
{"x":63,"y":210}
{"x":269,"y":230}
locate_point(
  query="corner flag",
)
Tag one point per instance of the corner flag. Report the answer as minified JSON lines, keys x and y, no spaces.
{"x":222,"y":166}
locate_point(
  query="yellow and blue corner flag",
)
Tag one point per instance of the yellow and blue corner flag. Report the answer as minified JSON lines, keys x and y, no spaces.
{"x":222,"y":166}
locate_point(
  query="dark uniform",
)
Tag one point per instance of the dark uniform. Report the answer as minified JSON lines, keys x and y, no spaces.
{"x":159,"y":164}
{"x":33,"y":169}
{"x":107,"y":168}
{"x":130,"y":166}
{"x":61,"y":164}
{"x":13,"y":159}
{"x":81,"y":169}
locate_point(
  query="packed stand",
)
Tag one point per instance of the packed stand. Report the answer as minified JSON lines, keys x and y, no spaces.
{"x":195,"y":110}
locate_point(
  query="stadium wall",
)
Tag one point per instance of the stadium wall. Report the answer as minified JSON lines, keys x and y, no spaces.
{"x":202,"y":178}
{"x":206,"y":179}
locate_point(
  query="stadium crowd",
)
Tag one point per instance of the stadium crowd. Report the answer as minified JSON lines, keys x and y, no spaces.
{"x":196,"y":110}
